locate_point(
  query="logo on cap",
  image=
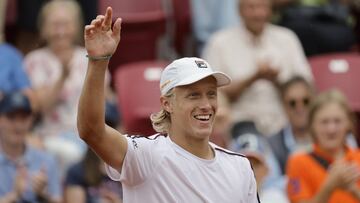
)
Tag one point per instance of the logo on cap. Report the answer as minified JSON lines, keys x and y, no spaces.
{"x":201,"y":64}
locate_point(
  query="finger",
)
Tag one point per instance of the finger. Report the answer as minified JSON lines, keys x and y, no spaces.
{"x":88,"y":29}
{"x":108,"y":17}
{"x":100,"y":16}
{"x":117,"y":29}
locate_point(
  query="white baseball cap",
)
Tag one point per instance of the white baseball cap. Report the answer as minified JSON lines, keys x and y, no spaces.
{"x":189,"y":70}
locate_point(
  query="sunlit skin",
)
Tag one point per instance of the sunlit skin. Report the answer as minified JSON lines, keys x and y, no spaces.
{"x":59,"y":28}
{"x":192,"y":109}
{"x":298,"y":115}
{"x":330,"y":127}
{"x":255,"y":14}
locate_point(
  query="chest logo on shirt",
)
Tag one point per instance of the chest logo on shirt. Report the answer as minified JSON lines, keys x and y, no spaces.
{"x":201,"y":64}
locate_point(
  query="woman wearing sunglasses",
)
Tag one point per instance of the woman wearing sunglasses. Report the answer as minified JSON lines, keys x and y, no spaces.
{"x":330,"y":172}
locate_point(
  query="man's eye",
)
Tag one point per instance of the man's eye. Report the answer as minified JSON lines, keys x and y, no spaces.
{"x":193,"y":95}
{"x":212,"y":94}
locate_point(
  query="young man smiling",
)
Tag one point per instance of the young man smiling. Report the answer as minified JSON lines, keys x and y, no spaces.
{"x":178,"y":164}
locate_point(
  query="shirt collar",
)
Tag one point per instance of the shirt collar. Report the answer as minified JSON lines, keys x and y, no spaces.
{"x":289,"y":138}
{"x":251,"y":38}
{"x":328,"y":157}
{"x":26,"y":157}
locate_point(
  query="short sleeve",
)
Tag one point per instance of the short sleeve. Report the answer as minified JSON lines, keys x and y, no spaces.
{"x":297,"y":186}
{"x":142,"y":157}
{"x":253,"y":196}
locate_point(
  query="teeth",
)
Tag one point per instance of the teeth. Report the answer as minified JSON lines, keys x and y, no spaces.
{"x":202,"y":117}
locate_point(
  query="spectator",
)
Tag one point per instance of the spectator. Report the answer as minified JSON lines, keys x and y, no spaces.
{"x":12,"y":74}
{"x":57,"y":72}
{"x":257,"y":55}
{"x":255,"y":148}
{"x":26,"y":174}
{"x":87,"y":182}
{"x":296,"y":95}
{"x":334,"y":175}
{"x":27,"y":14}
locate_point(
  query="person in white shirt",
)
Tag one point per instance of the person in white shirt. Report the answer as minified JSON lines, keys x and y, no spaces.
{"x":258,"y":56}
{"x":179,"y":164}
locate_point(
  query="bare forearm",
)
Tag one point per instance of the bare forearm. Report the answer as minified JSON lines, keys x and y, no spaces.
{"x":91,"y":111}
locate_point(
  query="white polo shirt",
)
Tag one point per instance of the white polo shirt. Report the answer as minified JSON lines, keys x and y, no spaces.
{"x":155,"y":169}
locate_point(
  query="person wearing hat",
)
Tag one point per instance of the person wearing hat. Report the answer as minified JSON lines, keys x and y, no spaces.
{"x":254,"y":146}
{"x":26,"y":174}
{"x":178,"y":164}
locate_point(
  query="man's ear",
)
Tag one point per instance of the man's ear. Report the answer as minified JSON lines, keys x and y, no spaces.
{"x":166,"y":104}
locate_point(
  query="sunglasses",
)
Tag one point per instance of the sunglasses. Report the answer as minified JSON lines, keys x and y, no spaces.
{"x":293,"y":102}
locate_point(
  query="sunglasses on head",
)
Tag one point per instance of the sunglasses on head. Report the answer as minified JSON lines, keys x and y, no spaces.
{"x":293,"y":102}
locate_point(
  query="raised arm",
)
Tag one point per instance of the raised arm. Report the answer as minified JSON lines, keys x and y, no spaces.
{"x":100,"y":42}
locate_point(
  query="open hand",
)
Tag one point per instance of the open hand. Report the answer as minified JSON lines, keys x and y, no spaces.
{"x":100,"y":39}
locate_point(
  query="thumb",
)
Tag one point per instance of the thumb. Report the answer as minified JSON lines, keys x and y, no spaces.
{"x":117,"y":29}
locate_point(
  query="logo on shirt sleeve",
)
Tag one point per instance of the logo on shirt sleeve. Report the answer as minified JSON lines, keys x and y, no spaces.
{"x":294,"y":186}
{"x":133,"y":141}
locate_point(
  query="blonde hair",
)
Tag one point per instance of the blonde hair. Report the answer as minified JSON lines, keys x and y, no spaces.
{"x":161,"y":120}
{"x":332,"y":96}
{"x":69,"y":5}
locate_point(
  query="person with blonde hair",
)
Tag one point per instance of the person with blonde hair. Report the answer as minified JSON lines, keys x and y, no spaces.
{"x":179,"y":164}
{"x":331,"y":171}
{"x":57,"y":72}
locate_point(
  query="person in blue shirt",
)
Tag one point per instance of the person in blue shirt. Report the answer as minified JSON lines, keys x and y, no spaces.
{"x":26,"y":174}
{"x":12,"y":73}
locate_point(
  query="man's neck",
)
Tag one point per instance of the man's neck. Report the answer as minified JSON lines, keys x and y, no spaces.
{"x":197,"y":147}
{"x":13,"y":152}
{"x":301,"y":135}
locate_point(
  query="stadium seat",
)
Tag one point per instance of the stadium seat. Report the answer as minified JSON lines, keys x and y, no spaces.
{"x":137,"y":87}
{"x":340,"y":71}
{"x":143,"y":23}
{"x":181,"y":17}
{"x":10,"y":20}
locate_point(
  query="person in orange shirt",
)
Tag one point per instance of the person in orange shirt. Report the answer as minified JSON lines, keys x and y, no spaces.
{"x":331,"y":171}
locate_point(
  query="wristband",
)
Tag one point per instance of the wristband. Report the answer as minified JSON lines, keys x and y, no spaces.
{"x":98,"y":58}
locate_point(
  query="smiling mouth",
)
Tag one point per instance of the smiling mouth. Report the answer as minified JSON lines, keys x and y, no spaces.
{"x":203,"y":117}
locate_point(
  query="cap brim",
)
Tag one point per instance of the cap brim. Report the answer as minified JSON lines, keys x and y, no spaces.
{"x":221,"y":78}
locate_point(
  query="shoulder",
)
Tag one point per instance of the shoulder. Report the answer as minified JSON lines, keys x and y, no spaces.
{"x":139,"y":141}
{"x":354,"y":154}
{"x":7,"y":50}
{"x":155,"y":137}
{"x":281,"y":32}
{"x":37,"y":54}
{"x":224,"y":35}
{"x":228,"y":154}
{"x":299,"y":161}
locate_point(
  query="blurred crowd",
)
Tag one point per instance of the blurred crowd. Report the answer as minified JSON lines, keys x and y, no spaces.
{"x":302,"y":142}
